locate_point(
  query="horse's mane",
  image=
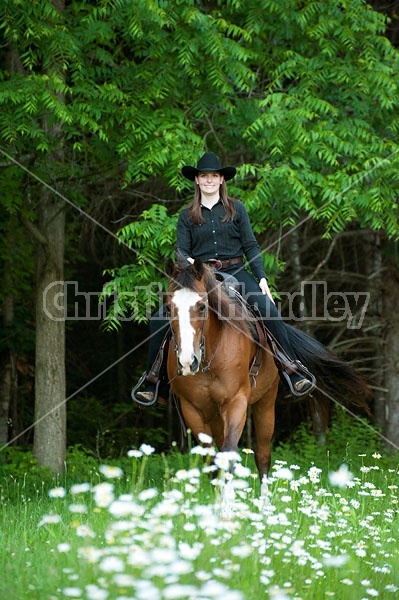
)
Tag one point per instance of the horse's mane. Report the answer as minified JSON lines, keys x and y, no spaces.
{"x":227,"y":310}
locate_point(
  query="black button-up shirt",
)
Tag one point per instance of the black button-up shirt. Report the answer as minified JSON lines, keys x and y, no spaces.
{"x":214,"y":238}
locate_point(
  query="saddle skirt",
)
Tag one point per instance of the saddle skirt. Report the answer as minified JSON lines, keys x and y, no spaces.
{"x":254,"y":318}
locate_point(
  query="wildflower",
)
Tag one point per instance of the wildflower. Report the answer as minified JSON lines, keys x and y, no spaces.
{"x":134,"y":453}
{"x":286,"y":499}
{"x":58,"y":492}
{"x":49,"y":520}
{"x":276,"y":593}
{"x":112,"y":564}
{"x":124,"y":580}
{"x":72,"y":592}
{"x":63,"y":547}
{"x":247,"y":451}
{"x":203,"y":450}
{"x":216,"y":589}
{"x":178,"y":590}
{"x":376,"y":455}
{"x":354,"y":503}
{"x":223,"y":460}
{"x":303,"y":480}
{"x":93,"y":592}
{"x":184,"y":474}
{"x":89,"y":553}
{"x":372,"y":592}
{"x":209,"y":469}
{"x":84,"y":531}
{"x":335,"y":561}
{"x":174,"y":495}
{"x":340,"y":478}
{"x":111,"y":472}
{"x":365,"y":469}
{"x":103,"y":494}
{"x":204,"y":438}
{"x":294,"y":485}
{"x":242,"y":551}
{"x":146,"y":449}
{"x":148,"y":494}
{"x":241,"y":471}
{"x":284,"y":473}
{"x":80,"y":488}
{"x":190,"y":552}
{"x":78,"y":508}
{"x":314,"y":473}
{"x":123,"y":508}
{"x":377,"y":493}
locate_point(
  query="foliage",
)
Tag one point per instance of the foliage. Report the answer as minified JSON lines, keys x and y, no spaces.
{"x":108,"y":430}
{"x":345,"y":437}
{"x":302,"y":97}
{"x":313,"y":119}
{"x":135,"y":288}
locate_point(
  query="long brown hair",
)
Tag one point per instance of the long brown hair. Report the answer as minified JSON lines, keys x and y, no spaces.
{"x":195,"y":206}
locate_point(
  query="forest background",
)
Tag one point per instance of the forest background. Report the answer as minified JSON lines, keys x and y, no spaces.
{"x":101,"y":103}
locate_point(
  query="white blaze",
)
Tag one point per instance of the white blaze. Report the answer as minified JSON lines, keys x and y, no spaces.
{"x":184,"y":300}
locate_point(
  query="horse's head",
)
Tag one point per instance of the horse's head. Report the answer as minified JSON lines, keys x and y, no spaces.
{"x":188,"y":307}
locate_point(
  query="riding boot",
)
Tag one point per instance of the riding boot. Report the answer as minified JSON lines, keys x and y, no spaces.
{"x":299,"y":379}
{"x":154,"y":380}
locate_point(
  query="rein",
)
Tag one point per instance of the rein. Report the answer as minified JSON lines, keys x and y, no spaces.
{"x":206,"y":368}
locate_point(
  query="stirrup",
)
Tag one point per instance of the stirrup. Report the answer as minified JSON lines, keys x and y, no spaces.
{"x":306,"y":375}
{"x":138,"y":386}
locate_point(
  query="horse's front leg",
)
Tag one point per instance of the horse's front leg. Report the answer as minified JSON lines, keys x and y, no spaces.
{"x":194,"y":419}
{"x":263,"y":418}
{"x":233,"y":414}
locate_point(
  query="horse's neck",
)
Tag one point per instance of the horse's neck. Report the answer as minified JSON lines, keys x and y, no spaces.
{"x":213,"y":331}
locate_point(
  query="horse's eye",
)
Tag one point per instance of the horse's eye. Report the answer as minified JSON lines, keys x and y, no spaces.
{"x":201,"y":307}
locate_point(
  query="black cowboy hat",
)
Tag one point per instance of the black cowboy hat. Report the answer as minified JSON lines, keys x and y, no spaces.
{"x":209,"y":162}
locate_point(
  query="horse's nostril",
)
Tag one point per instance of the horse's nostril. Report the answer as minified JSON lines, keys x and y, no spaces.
{"x":194,"y":365}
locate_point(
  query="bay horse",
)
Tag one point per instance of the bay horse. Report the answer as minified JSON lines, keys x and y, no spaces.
{"x":209,"y":359}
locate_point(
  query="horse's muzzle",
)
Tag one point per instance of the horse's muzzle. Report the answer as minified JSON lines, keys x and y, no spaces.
{"x":188,"y":369}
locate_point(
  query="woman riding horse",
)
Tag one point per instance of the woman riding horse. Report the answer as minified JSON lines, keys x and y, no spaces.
{"x":216,"y":229}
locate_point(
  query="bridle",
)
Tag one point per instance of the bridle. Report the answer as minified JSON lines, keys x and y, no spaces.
{"x":202,"y":344}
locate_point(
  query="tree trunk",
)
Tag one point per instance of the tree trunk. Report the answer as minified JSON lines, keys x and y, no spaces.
{"x":50,"y":409}
{"x":50,"y":387}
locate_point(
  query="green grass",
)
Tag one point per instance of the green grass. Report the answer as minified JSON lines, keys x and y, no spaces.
{"x":163,"y":528}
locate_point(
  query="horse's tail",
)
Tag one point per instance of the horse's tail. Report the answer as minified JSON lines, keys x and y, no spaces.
{"x":334,"y":376}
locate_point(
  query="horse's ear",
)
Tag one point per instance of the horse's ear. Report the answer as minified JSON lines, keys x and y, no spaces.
{"x":170,"y":268}
{"x":198,"y":268}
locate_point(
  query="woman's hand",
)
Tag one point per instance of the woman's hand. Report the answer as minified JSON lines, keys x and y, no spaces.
{"x":265,"y":288}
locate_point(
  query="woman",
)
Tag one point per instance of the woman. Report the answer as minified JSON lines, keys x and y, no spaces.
{"x":216,"y":229}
